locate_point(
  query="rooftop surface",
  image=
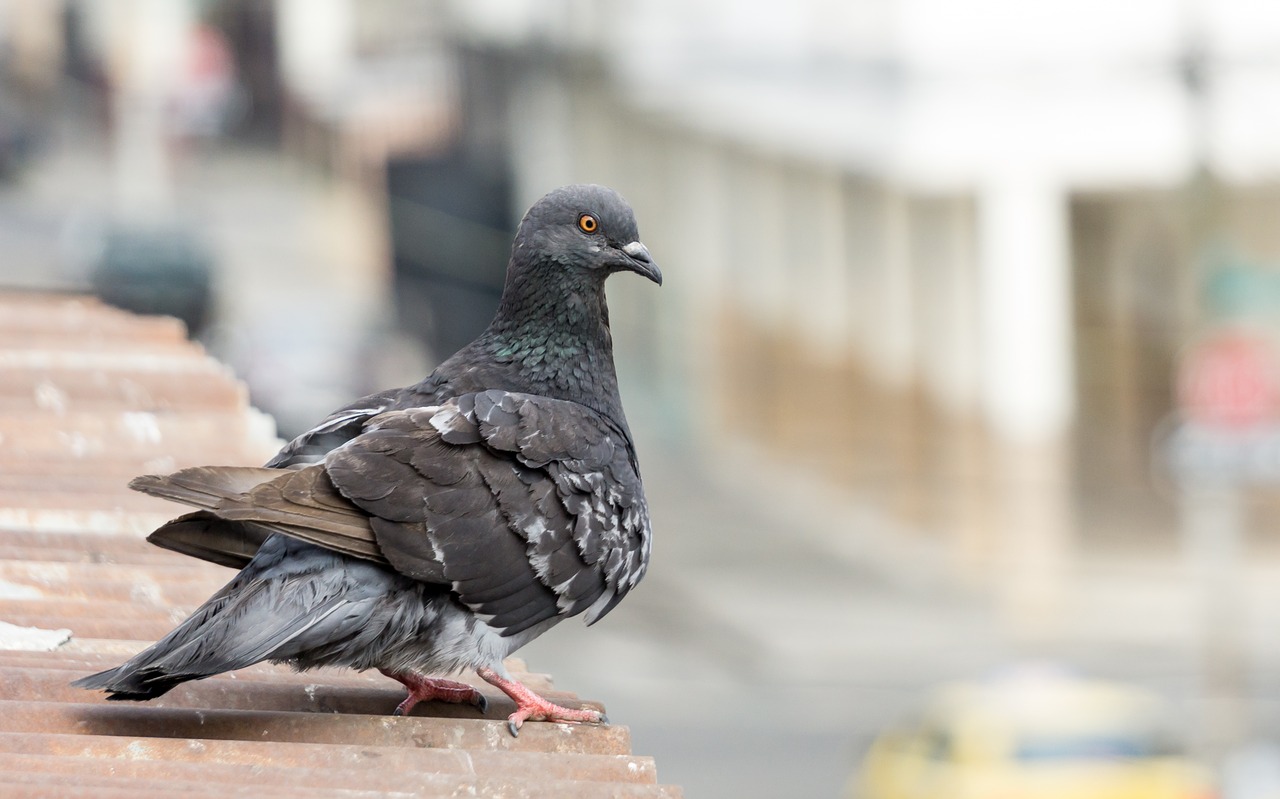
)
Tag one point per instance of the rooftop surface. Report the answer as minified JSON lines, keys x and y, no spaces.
{"x":91,"y":396}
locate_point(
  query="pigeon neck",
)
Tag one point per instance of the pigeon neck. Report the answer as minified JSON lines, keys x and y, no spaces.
{"x":554,"y":334}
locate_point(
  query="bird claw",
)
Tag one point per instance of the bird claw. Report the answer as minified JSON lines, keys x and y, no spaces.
{"x":530,"y":706}
{"x":553,"y":714}
{"x":426,"y":689}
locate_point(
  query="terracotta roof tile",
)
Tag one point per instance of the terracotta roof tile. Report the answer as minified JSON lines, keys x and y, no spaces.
{"x":91,"y":396}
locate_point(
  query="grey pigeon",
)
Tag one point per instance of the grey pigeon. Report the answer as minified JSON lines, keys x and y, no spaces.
{"x":438,"y":527}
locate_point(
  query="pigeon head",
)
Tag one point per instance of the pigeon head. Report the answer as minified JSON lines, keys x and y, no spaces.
{"x":585,"y":230}
{"x":550,"y":335}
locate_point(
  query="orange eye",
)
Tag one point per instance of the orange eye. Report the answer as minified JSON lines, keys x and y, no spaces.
{"x":588,"y":223}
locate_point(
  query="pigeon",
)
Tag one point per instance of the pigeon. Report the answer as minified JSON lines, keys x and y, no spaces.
{"x":439,"y":527}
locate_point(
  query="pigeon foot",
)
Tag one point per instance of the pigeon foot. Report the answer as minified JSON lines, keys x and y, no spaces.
{"x":424,"y":689}
{"x":530,"y":706}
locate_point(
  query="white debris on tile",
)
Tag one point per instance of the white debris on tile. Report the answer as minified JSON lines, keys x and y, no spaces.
{"x":31,"y":639}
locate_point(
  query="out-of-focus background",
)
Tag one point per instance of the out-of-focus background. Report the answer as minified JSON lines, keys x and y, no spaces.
{"x":958,"y":407}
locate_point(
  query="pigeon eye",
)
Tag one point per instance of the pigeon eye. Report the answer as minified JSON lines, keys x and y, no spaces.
{"x":588,"y":223}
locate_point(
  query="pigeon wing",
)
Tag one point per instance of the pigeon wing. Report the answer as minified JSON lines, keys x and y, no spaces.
{"x":590,"y":461}
{"x":528,"y":507}
{"x":348,"y":422}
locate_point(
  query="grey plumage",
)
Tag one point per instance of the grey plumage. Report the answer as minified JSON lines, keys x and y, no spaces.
{"x":440,"y":526}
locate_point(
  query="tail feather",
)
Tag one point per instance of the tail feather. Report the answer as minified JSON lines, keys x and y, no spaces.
{"x":205,"y":536}
{"x":262,"y":614}
{"x":253,"y":501}
{"x":204,"y":486}
{"x":142,"y":676}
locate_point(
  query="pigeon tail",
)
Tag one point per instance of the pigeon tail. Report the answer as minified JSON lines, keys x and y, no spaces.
{"x":243,"y":505}
{"x":276,"y":609}
{"x":209,"y":643}
{"x":204,"y":486}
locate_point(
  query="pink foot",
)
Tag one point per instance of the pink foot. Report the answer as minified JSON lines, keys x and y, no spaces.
{"x":531,"y":706}
{"x":424,"y":689}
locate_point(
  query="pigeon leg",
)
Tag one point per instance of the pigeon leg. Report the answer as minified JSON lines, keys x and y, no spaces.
{"x":424,"y":689}
{"x":531,"y":706}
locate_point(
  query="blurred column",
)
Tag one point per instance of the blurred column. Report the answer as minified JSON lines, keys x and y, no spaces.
{"x":1026,"y":392}
{"x":756,"y":293}
{"x":703,"y":223}
{"x":890,"y":340}
{"x":942,"y":252}
{"x":317,"y":44}
{"x":818,"y":270}
{"x":761,"y":258}
{"x":861,"y":252}
{"x":695,"y":256}
{"x":943,"y":256}
{"x":148,"y":40}
{"x":1024,"y":295}
{"x":1031,"y":508}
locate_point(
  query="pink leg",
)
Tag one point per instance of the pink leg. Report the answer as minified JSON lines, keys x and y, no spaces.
{"x":424,"y":689}
{"x":531,"y":706}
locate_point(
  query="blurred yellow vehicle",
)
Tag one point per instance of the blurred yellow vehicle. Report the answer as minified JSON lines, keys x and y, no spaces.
{"x":1033,"y":736}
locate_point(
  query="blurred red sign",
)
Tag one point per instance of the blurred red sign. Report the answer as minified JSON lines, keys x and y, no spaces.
{"x":1229,"y":380}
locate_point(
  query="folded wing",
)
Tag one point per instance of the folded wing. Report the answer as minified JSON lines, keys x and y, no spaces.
{"x":526,"y":507}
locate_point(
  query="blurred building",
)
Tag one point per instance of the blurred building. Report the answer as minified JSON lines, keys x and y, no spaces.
{"x":944,"y":254}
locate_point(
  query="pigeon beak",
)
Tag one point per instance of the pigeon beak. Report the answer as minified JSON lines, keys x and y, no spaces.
{"x":641,"y":263}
